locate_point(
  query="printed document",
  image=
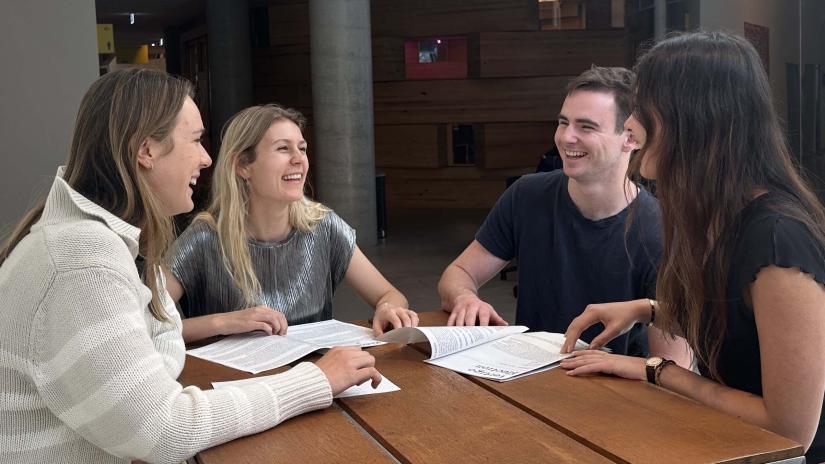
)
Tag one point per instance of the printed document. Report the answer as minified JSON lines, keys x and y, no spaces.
{"x":494,"y":352}
{"x":257,"y":352}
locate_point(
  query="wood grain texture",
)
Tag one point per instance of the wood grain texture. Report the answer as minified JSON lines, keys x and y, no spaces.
{"x":635,"y":421}
{"x":438,"y":416}
{"x":550,"y":53}
{"x":387,"y":59}
{"x":641,"y":423}
{"x":441,"y":416}
{"x":468,"y":101}
{"x":453,"y":17}
{"x":447,"y":187}
{"x":288,"y":22}
{"x":509,"y":145}
{"x":327,"y":435}
{"x":410,"y":146}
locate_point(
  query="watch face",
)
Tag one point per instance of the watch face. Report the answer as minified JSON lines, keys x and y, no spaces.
{"x":654,"y":361}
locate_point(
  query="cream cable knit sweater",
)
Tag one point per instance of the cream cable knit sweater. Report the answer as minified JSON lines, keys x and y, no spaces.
{"x":87,"y":375}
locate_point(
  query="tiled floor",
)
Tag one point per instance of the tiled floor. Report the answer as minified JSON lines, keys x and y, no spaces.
{"x":419,"y":245}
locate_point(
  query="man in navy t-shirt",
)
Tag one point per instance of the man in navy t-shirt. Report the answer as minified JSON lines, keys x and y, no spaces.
{"x":584,"y":235}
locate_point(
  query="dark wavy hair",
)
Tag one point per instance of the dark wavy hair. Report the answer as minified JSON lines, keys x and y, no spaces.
{"x":705,"y":102}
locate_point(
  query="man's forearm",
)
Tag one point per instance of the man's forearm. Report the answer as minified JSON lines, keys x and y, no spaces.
{"x":454,"y":283}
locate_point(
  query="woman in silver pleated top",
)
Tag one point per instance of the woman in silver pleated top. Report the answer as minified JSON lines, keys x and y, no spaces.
{"x":264,"y":256}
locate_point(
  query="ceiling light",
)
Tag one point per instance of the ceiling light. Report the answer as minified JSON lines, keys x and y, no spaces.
{"x":131,"y":18}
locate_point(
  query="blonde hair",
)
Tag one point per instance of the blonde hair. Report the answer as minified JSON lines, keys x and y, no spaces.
{"x":118,"y":112}
{"x":228,"y":209}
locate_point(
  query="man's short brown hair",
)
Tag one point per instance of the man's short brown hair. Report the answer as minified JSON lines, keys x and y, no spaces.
{"x":617,"y":81}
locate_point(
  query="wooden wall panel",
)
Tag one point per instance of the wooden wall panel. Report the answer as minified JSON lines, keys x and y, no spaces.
{"x":281,"y":65}
{"x":387,"y":59}
{"x":598,"y":14}
{"x":442,"y":193}
{"x":516,"y":144}
{"x":419,"y":18}
{"x":288,"y":22}
{"x":450,"y":187}
{"x":298,"y":96}
{"x":413,"y":146}
{"x":550,"y":53}
{"x":469,"y":100}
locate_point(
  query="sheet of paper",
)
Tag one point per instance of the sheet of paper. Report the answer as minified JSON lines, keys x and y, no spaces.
{"x":257,"y":352}
{"x":365,"y":388}
{"x":508,"y":357}
{"x":447,"y":340}
{"x":327,"y":334}
{"x":254,"y":352}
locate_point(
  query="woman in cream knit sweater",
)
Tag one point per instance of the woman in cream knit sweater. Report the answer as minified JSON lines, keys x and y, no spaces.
{"x":90,"y":347}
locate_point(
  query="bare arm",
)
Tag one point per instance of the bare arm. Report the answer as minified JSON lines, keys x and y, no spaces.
{"x":788,"y":307}
{"x":673,"y":348}
{"x":391,"y":307}
{"x":459,"y":284}
{"x":260,"y":318}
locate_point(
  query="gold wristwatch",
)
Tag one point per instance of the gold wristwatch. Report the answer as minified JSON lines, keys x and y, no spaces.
{"x":654,"y":366}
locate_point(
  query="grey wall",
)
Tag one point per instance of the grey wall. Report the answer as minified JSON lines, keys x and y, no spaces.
{"x":49,"y":58}
{"x":780,"y":16}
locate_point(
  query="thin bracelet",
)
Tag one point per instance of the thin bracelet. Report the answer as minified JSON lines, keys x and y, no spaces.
{"x":652,"y":312}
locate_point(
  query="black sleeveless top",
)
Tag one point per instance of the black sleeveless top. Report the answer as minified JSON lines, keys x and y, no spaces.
{"x":764,"y":238}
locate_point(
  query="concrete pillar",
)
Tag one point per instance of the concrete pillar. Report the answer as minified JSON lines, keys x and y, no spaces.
{"x":230,"y":61}
{"x":344,"y":152}
{"x":659,"y":19}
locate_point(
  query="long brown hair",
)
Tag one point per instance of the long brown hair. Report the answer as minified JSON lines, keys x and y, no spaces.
{"x":119,"y":111}
{"x":705,"y":102}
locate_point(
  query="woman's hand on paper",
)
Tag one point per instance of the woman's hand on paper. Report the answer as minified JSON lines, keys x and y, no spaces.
{"x":595,"y":361}
{"x":346,"y":366}
{"x":617,"y":319}
{"x":389,"y":316}
{"x":263,"y":318}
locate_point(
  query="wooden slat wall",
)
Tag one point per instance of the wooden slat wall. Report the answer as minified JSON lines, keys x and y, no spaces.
{"x":404,"y":18}
{"x":516,"y":145}
{"x":387,"y":59}
{"x":287,"y":64}
{"x":288,"y":22}
{"x":441,"y":188}
{"x":515,"y":88}
{"x":298,"y":96}
{"x":469,"y":100}
{"x":549,"y":53}
{"x":281,"y":73}
{"x":412,"y":146}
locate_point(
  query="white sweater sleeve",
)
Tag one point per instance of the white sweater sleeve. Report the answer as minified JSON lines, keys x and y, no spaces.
{"x":167,"y":335}
{"x":97,"y":369}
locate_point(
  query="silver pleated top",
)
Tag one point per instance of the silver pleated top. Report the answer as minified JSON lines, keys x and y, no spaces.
{"x":298,"y":275}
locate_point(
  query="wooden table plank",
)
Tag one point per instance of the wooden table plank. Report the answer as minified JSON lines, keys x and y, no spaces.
{"x":642,"y":423}
{"x":327,"y":435}
{"x":636,"y":421}
{"x":439,"y":416}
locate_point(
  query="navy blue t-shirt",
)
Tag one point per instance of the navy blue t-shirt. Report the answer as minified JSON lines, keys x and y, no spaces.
{"x":566,"y":261}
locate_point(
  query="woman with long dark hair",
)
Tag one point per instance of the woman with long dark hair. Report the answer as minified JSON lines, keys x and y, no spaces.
{"x":743,"y":266}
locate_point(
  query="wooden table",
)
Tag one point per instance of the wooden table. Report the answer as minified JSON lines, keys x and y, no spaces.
{"x":442,"y":416}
